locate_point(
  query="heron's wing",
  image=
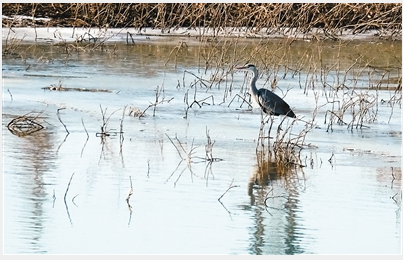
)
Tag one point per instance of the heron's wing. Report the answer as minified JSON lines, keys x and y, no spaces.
{"x":265,"y":102}
{"x":271,"y":103}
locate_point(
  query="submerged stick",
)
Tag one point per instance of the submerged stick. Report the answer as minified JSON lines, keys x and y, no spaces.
{"x":128,"y":198}
{"x":131,"y":188}
{"x":58,"y":116}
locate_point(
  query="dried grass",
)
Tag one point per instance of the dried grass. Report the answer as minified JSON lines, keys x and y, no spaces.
{"x":331,"y":18}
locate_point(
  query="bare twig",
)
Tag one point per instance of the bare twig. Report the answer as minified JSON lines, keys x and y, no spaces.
{"x":105,"y":121}
{"x":158,"y":93}
{"x":11,"y":96}
{"x":85,"y":129}
{"x":148,"y":166}
{"x":230,"y":187}
{"x":54,"y":198}
{"x":58,"y":116}
{"x":72,"y":200}
{"x":175,"y":146}
{"x":88,"y":136}
{"x":68,"y":186}
{"x":130,"y":192}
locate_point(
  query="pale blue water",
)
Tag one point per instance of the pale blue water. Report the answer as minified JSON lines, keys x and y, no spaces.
{"x":343,"y":206}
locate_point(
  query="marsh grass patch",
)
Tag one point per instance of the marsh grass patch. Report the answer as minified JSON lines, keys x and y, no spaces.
{"x":333,"y":19}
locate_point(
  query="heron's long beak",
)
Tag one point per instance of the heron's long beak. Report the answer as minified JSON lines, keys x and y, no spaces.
{"x":240,"y":68}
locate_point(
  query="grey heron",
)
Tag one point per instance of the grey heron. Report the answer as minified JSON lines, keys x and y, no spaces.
{"x":267,"y":100}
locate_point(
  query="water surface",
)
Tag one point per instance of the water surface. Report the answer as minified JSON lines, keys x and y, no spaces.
{"x":65,"y":193}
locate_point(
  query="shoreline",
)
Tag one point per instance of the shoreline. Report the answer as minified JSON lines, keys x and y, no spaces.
{"x":54,"y":35}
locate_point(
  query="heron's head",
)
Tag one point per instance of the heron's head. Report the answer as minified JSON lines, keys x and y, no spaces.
{"x":247,"y":67}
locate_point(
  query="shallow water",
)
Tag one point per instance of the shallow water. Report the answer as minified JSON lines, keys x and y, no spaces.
{"x":66,"y":193}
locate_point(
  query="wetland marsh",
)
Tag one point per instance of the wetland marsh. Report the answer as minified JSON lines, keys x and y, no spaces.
{"x":151,"y":147}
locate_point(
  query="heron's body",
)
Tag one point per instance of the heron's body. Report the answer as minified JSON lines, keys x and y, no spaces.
{"x":269,"y":102}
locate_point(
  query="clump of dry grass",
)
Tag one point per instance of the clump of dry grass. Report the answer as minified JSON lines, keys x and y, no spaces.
{"x":352,"y":90}
{"x":285,"y":145}
{"x":24,"y":125}
{"x":105,"y":122}
{"x":158,"y":92}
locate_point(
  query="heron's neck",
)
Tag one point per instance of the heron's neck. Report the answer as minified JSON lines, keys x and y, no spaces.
{"x":253,"y":88}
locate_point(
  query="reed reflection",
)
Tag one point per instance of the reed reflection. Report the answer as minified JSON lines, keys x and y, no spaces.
{"x":35,"y":155}
{"x":273,"y":189}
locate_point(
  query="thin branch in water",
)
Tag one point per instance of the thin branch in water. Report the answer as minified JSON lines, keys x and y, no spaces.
{"x":131,"y":37}
{"x":230,"y":187}
{"x":58,"y":116}
{"x":54,"y":198}
{"x":200,"y":102}
{"x":331,"y":157}
{"x":131,"y":190}
{"x":85,"y":129}
{"x":68,"y":186}
{"x":72,"y":200}
{"x":177,"y":167}
{"x":88,"y":136}
{"x":11,"y":96}
{"x":180,"y":175}
{"x":121,"y":125}
{"x":209,"y":148}
{"x":158,"y":92}
{"x":175,"y":146}
{"x":148,"y":171}
{"x":64,"y":140}
{"x":105,"y":122}
{"x":65,"y":203}
{"x":130,"y":194}
{"x":121,"y":137}
{"x":179,"y":142}
{"x":395,"y":200}
{"x":393,"y":176}
{"x":229,"y":212}
{"x":244,"y":101}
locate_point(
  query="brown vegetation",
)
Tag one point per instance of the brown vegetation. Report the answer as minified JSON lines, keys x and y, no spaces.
{"x":332,"y":18}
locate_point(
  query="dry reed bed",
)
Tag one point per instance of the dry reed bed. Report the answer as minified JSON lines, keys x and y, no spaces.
{"x":332,"y":18}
